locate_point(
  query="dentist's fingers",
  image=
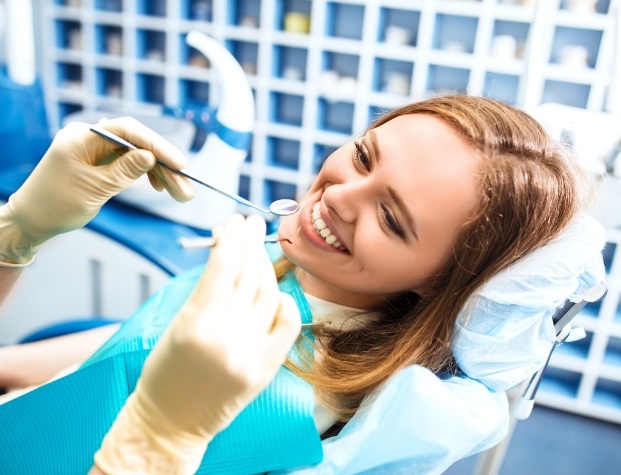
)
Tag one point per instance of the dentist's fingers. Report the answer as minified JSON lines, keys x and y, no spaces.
{"x":264,"y":310}
{"x":267,"y":299}
{"x":249,"y":281}
{"x":178,"y":186}
{"x":155,"y":183}
{"x":285,"y":330}
{"x":126,"y":169}
{"x":143,"y":137}
{"x":225,"y":262}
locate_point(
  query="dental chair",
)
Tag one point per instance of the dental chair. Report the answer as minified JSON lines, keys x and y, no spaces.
{"x":522,"y":397}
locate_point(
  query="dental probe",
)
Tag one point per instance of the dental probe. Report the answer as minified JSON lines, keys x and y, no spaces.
{"x":208,"y":241}
{"x":283,"y":207}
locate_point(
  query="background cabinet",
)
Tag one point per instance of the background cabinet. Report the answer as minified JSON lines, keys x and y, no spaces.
{"x":322,"y":70}
{"x":585,"y":376}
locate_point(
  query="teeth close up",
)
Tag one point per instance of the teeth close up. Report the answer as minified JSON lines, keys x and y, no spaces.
{"x":323,"y":230}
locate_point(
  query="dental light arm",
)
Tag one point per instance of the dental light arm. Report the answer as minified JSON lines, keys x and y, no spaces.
{"x":227,"y":123}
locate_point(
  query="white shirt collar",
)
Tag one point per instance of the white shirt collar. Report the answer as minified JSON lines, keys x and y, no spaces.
{"x":339,"y":317}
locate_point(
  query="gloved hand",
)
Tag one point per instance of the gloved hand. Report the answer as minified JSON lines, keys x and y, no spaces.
{"x":76,"y":176}
{"x":222,"y":348}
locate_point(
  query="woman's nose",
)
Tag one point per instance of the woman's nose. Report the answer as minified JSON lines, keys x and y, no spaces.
{"x":344,"y":200}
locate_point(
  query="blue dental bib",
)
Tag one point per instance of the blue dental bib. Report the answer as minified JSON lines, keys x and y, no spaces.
{"x":57,"y":428}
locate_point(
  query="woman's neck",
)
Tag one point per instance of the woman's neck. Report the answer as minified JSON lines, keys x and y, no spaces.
{"x":320,"y":289}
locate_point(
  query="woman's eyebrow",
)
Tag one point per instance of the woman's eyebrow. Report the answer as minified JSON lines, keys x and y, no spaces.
{"x":404,"y":210}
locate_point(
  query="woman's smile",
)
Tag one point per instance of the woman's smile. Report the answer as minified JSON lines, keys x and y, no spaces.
{"x":324,"y":230}
{"x":316,"y":230}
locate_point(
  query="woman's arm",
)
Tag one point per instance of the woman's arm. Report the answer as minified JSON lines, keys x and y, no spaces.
{"x":35,"y":363}
{"x":8,"y":277}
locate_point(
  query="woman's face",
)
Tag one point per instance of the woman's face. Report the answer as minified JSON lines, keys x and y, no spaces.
{"x":384,"y":212}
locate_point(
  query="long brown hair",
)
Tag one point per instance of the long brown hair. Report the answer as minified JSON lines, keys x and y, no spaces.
{"x":530,"y":189}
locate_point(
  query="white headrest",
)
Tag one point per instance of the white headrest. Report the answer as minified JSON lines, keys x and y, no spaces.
{"x":504,"y":332}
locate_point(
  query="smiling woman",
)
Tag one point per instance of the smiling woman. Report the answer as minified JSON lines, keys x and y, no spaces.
{"x":394,"y":201}
{"x":398,"y":234}
{"x":433,"y":200}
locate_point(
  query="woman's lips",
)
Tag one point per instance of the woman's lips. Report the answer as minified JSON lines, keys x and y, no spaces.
{"x":310,"y":233}
{"x":329,"y":224}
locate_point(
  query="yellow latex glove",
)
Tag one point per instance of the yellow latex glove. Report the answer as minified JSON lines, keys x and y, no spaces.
{"x":76,"y":176}
{"x":223,"y":347}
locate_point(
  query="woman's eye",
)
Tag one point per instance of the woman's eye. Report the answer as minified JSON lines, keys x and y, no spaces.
{"x":361,"y":157}
{"x":391,"y":222}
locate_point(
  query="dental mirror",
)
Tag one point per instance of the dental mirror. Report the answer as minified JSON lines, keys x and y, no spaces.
{"x":283,"y":207}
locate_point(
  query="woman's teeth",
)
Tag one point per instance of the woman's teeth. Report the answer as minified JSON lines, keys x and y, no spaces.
{"x":323,"y":230}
